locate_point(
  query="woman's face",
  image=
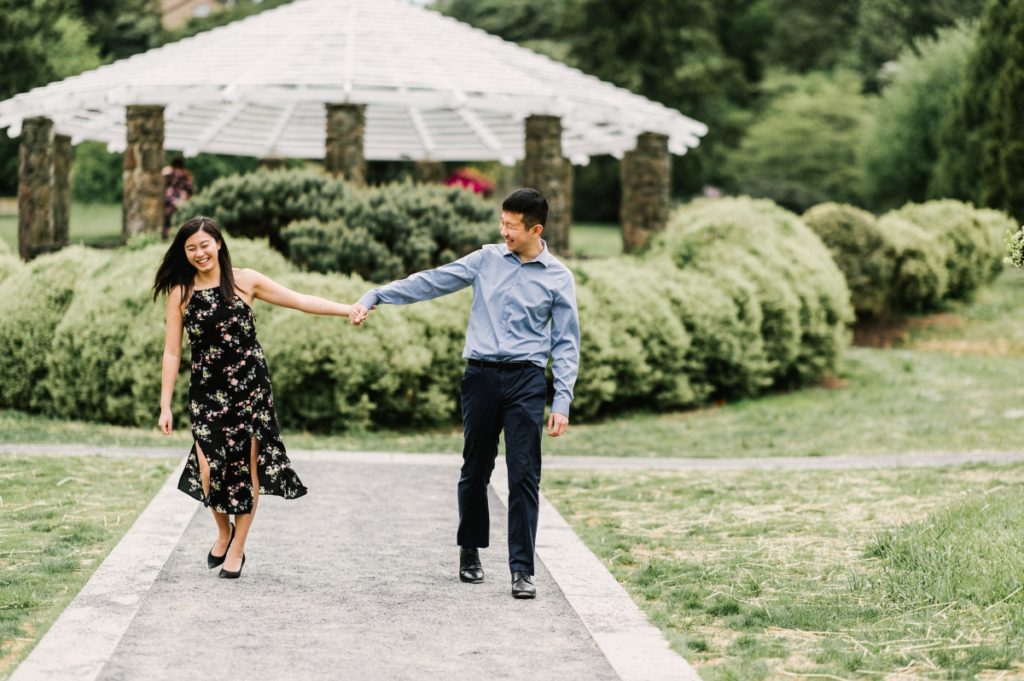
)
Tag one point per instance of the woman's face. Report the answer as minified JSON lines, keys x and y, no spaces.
{"x":201,"y":250}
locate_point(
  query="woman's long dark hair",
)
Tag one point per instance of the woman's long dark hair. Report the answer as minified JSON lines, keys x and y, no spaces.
{"x":176,"y":270}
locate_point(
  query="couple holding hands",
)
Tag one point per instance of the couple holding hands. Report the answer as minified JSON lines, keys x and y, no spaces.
{"x":523,"y":313}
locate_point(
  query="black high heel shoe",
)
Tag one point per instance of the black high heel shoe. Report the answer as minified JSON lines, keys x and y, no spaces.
{"x":233,"y":575}
{"x":213,"y":561}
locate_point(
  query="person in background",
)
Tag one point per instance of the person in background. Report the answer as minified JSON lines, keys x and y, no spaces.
{"x":178,"y":189}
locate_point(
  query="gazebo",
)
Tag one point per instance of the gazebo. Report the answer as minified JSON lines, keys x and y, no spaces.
{"x":346,"y":81}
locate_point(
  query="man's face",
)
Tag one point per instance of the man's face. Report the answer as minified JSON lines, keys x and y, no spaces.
{"x":516,"y":235}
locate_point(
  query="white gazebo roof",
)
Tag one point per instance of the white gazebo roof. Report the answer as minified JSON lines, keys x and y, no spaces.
{"x":434,"y":88}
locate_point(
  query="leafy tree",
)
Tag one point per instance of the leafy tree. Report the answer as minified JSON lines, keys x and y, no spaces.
{"x":803,"y":149}
{"x":972,"y":166}
{"x":886,"y":28}
{"x":121,"y":28}
{"x":40,"y":41}
{"x":903,"y":140}
{"x":669,"y":51}
{"x":806,"y":35}
{"x":1002,"y":163}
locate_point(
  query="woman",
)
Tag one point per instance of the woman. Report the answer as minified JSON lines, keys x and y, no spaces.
{"x":237,"y":452}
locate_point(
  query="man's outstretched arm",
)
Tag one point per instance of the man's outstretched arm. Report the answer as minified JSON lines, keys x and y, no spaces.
{"x":425,"y":285}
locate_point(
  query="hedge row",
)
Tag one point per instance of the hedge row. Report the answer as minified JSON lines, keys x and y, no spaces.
{"x":737,"y":297}
{"x":914,"y":258}
{"x":326,"y":225}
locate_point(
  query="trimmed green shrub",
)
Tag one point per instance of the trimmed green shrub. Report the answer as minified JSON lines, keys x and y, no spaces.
{"x":859,"y":249}
{"x":920,"y":279}
{"x":9,"y":264}
{"x":377,"y":232}
{"x":393,"y":230}
{"x":740,"y":296}
{"x":973,"y":250}
{"x":998,"y":224}
{"x":261,"y":203}
{"x":33,"y":300}
{"x":802,"y":296}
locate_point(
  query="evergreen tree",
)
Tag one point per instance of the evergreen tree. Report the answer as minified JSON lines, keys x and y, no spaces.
{"x":969,"y":126}
{"x":1002,"y":162}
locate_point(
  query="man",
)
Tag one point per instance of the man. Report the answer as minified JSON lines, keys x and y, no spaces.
{"x":523,"y":312}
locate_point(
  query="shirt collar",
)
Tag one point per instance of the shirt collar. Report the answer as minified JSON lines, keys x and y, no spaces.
{"x":544,"y":257}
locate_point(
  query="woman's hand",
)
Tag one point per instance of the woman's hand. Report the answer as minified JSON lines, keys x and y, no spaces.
{"x":165,"y":421}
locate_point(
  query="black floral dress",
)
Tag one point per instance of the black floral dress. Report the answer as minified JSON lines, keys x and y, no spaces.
{"x":230,"y":402}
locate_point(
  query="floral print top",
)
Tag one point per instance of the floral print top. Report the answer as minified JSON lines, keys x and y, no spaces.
{"x":230,"y":402}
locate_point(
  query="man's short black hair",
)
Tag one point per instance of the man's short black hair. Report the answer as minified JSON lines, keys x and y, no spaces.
{"x":531,"y":203}
{"x":178,"y":162}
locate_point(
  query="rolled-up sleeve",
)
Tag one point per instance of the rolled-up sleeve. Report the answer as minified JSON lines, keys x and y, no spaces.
{"x":565,"y":345}
{"x":428,"y":284}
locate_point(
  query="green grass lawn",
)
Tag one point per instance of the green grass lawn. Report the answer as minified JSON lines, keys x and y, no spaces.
{"x":830,"y":575}
{"x":59,"y":518}
{"x":595,"y":240}
{"x":992,"y":324}
{"x":94,"y":224}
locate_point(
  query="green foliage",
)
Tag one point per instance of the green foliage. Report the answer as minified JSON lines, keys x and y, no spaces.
{"x":902,"y":142}
{"x":788,"y":291}
{"x":97,"y":175}
{"x":972,"y":246}
{"x":40,"y":41}
{"x":9,"y":264}
{"x":858,"y":247}
{"x":261,"y":203}
{"x":806,"y":35}
{"x":742,"y":297}
{"x":33,"y":300}
{"x":377,"y":232}
{"x":970,"y":162}
{"x":671,"y":52}
{"x":887,"y":28}
{"x":521,"y":21}
{"x":392,"y":231}
{"x":920,"y":281}
{"x":803,"y":149}
{"x":1002,"y":164}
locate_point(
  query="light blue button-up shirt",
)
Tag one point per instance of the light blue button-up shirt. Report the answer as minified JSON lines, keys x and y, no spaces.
{"x":522,"y":311}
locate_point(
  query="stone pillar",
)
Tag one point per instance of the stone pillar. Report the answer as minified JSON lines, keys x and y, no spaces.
{"x":143,"y":163}
{"x":547,"y":171}
{"x":346,"y":124}
{"x":63,"y":154}
{"x":35,"y":187}
{"x":646,"y":175}
{"x":429,"y":172}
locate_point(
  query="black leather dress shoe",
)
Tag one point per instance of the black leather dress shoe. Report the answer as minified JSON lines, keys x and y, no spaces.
{"x":522,"y":585}
{"x":470,"y":569}
{"x":213,"y":561}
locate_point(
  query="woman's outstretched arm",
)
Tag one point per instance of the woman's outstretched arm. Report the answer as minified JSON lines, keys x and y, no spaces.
{"x":266,"y":289}
{"x":172,"y":357}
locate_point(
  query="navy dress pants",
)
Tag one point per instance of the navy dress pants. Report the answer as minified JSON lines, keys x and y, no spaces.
{"x":509,"y":398}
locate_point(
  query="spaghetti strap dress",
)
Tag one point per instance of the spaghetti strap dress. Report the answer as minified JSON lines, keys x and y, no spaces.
{"x":230,"y":402}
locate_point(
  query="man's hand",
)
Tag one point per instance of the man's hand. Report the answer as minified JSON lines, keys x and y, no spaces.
{"x":357,"y":314}
{"x":557,"y":424}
